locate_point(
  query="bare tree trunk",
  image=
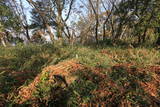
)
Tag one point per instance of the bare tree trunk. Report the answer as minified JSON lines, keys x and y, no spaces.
{"x":59,"y":20}
{"x":112,"y":27}
{"x":107,"y":18}
{"x":50,"y":32}
{"x":144,"y":35}
{"x":104,"y":26}
{"x":27,"y":33}
{"x":139,"y":39}
{"x":3,"y":42}
{"x":123,"y":31}
{"x":68,"y":31}
{"x":104,"y":31}
{"x":158,"y":40}
{"x":146,"y":27}
{"x":2,"y":38}
{"x":96,"y":30}
{"x":95,"y":10}
{"x":61,"y":23}
{"x":119,"y":30}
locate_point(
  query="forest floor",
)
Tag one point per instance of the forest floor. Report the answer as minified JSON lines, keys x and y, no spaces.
{"x":47,"y":75}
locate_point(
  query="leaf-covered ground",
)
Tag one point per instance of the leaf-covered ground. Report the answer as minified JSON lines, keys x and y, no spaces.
{"x":47,"y":75}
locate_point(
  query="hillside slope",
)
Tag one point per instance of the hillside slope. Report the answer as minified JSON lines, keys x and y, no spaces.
{"x":80,"y":76}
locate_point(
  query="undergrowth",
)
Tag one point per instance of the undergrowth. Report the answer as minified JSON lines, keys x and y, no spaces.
{"x":21,"y":63}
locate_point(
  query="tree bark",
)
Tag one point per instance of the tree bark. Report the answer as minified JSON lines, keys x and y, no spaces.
{"x":2,"y":38}
{"x":50,"y":32}
{"x":3,"y":42}
{"x":95,"y":10}
{"x":119,"y":31}
{"x":27,"y":33}
{"x":42,"y":17}
{"x":59,"y":19}
{"x":144,"y":35}
{"x":158,"y":40}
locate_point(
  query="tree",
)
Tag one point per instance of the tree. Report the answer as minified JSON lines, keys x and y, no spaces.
{"x":7,"y":18}
{"x":8,"y":22}
{"x":55,"y":12}
{"x":96,"y":13}
{"x":18,"y":9}
{"x":141,"y":14}
{"x":36,"y":22}
{"x":42,"y":17}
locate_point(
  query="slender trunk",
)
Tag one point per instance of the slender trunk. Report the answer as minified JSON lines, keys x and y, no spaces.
{"x":104,"y":31}
{"x":59,"y":27}
{"x":105,"y":22}
{"x":27,"y":33}
{"x":50,"y":32}
{"x":119,"y":31}
{"x":6,"y":33}
{"x":96,"y":13}
{"x":97,"y":20}
{"x":158,"y":40}
{"x":3,"y":42}
{"x":123,"y":31}
{"x":112,"y":28}
{"x":59,"y":19}
{"x":139,"y":39}
{"x":68,"y":31}
{"x":96,"y":30}
{"x":67,"y":34}
{"x":146,"y":27}
{"x":144,"y":35}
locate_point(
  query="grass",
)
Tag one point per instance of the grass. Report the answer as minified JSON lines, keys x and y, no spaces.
{"x":29,"y":60}
{"x":27,"y":57}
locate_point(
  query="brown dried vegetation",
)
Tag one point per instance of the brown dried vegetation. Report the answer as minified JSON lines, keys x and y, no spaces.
{"x":108,"y":92}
